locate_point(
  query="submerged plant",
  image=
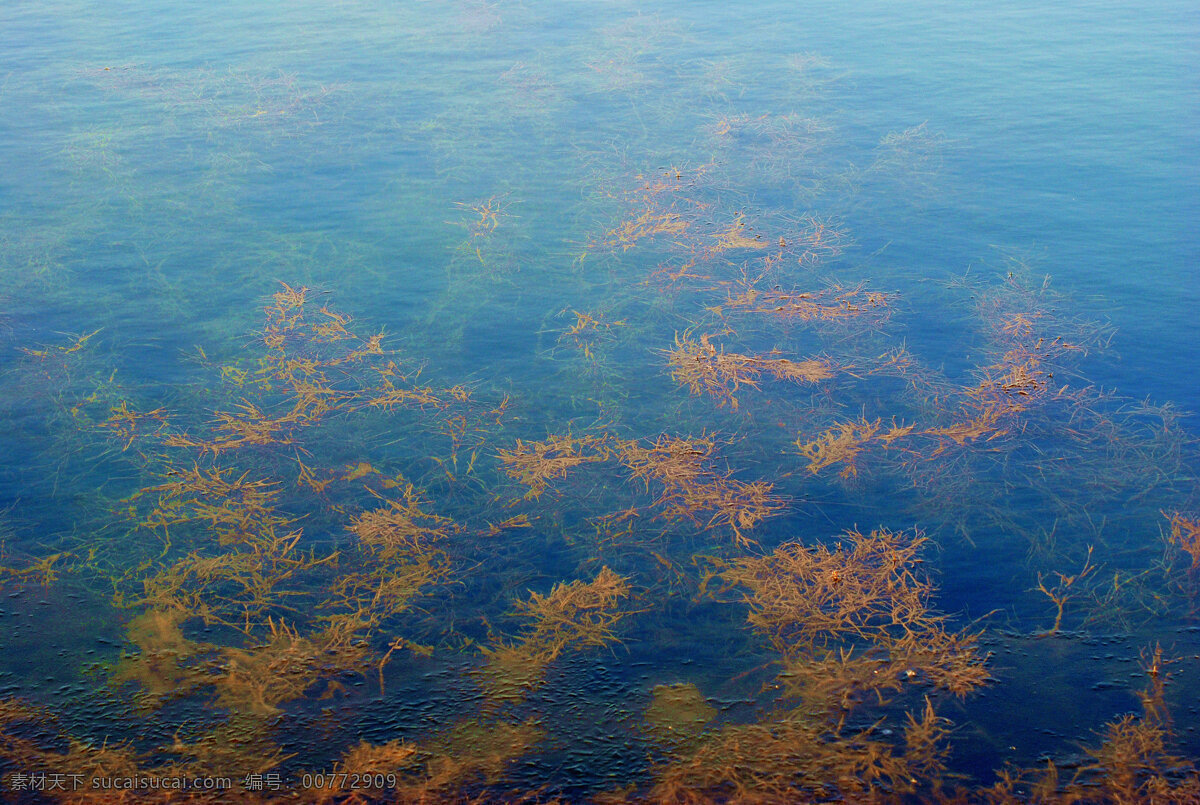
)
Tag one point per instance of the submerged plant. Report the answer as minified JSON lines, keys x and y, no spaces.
{"x":535,"y":464}
{"x":832,"y":305}
{"x":1185,"y":535}
{"x":852,"y":624}
{"x":859,"y":608}
{"x":691,"y":490}
{"x":574,"y":615}
{"x":705,"y":369}
{"x":843,"y":443}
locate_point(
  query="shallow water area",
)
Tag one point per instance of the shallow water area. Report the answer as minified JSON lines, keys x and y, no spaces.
{"x":487,"y":401}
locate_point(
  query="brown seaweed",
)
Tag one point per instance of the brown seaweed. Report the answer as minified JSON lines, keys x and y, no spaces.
{"x":574,"y":615}
{"x":705,"y":369}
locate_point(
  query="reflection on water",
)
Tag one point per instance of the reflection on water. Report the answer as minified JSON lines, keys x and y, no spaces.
{"x":523,"y":406}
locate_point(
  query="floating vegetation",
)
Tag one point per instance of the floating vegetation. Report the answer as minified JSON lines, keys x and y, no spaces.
{"x":272,"y":561}
{"x":992,"y":409}
{"x":706,"y":252}
{"x":129,"y":425}
{"x":820,"y":605}
{"x":281,"y":615}
{"x":793,"y":758}
{"x":471,"y":753}
{"x":77,"y":343}
{"x":41,"y":571}
{"x":660,"y":208}
{"x":677,"y":470}
{"x":481,"y":219}
{"x":1064,"y":589}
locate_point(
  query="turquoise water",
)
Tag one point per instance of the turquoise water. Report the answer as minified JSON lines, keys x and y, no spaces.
{"x":1019,"y":183}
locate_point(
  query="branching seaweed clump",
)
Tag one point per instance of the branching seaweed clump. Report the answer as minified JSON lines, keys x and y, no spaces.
{"x":481,"y":219}
{"x":572,"y":615}
{"x":589,"y":330}
{"x":852,"y":625}
{"x":1020,"y":380}
{"x":842,"y":444}
{"x":690,"y":490}
{"x":232,"y":603}
{"x":536,"y":464}
{"x":860,"y":606}
{"x":678,"y":469}
{"x":234,"y":556}
{"x":312,"y":366}
{"x":832,"y":305}
{"x":706,"y":369}
{"x":1185,"y":535}
{"x":792,"y":758}
{"x":671,"y":210}
{"x":660,"y":208}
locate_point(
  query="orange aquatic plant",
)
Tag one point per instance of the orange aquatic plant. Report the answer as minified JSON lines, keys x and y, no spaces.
{"x":128,"y":425}
{"x":1185,"y":533}
{"x":692,"y":490}
{"x":659,"y":206}
{"x":737,"y":236}
{"x":481,"y":219}
{"x":571,"y":616}
{"x":863,"y":593}
{"x":852,"y":623}
{"x":400,"y":528}
{"x":705,"y":369}
{"x":845,"y":441}
{"x":536,"y":464}
{"x":835,"y":304}
{"x":588,"y":330}
{"x":794,"y":757}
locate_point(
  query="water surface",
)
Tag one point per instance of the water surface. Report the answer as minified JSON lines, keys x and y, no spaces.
{"x":476,"y":393}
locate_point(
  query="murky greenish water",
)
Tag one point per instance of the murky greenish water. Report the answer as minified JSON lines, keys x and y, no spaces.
{"x":598,"y":402}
